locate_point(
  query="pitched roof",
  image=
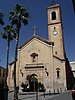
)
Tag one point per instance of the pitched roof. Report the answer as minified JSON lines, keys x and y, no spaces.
{"x":39,"y":38}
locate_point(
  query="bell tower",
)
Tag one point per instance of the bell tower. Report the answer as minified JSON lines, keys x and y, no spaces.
{"x":55,"y":30}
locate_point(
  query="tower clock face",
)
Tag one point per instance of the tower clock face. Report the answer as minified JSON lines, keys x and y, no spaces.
{"x":55,"y":32}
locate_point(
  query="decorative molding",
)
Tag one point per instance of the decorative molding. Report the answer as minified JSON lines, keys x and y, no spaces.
{"x":58,"y":58}
{"x":32,"y":67}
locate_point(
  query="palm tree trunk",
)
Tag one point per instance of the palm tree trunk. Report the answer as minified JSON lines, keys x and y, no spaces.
{"x":15,"y":59}
{"x":6,"y":75}
{"x":7,"y":61}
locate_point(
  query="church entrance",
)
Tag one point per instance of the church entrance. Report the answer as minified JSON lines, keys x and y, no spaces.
{"x":33,"y":82}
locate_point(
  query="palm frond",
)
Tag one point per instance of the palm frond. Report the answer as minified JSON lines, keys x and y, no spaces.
{"x":25,"y":22}
{"x":23,"y":10}
{"x":1,"y":15}
{"x":7,"y":28}
{"x":10,"y":29}
{"x":3,"y":35}
{"x":26,"y":14}
{"x":14,"y":22}
{"x":19,"y":15}
{"x":25,"y":18}
{"x":1,"y":21}
{"x":18,"y":7}
{"x":12,"y":15}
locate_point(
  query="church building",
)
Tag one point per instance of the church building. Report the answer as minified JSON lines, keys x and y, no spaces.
{"x":43,"y":59}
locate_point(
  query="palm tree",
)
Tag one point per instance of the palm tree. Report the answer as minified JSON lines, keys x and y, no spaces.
{"x":17,"y":17}
{"x":9,"y":34}
{"x":1,"y":21}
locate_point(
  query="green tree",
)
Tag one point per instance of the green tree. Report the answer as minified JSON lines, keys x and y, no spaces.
{"x":17,"y":17}
{"x":9,"y":34}
{"x":41,"y":87}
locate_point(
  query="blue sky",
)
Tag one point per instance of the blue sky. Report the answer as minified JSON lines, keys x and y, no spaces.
{"x":38,"y":17}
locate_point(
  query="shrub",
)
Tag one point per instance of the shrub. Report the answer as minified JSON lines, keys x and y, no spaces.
{"x":24,"y":86}
{"x":41,"y":87}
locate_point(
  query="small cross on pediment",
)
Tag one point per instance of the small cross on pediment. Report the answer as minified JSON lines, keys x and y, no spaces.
{"x":34,"y":29}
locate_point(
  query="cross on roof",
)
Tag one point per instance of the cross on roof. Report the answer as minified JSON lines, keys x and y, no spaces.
{"x":34,"y":29}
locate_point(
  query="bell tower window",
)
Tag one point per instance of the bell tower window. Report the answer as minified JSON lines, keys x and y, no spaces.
{"x":53,"y":15}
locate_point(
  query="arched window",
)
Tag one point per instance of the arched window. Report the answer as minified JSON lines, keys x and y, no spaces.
{"x":58,"y":72}
{"x":53,"y":15}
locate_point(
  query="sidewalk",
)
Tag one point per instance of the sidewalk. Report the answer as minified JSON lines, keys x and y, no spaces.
{"x":40,"y":96}
{"x":30,"y":96}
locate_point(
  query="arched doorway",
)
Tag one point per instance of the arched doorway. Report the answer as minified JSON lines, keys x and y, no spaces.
{"x":33,"y":82}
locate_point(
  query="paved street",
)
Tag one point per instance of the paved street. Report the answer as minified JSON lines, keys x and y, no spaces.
{"x":29,"y":96}
{"x":33,"y":96}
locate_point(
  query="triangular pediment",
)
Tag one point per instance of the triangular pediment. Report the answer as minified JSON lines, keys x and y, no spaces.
{"x":38,"y":38}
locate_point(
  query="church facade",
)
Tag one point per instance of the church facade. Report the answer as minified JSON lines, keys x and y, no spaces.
{"x":44,"y":59}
